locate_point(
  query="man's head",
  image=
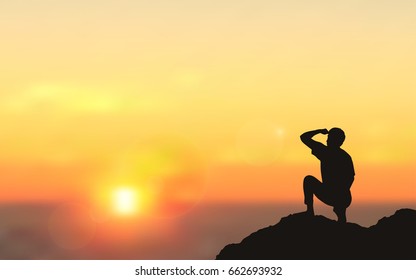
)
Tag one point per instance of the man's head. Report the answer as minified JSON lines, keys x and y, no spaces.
{"x":336,"y":137}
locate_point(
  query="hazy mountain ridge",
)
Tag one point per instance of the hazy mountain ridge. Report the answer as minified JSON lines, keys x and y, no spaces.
{"x":299,"y":236}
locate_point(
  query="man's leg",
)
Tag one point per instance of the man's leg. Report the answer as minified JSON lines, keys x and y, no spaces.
{"x":311,"y":185}
{"x":342,"y":201}
{"x":341,"y":214}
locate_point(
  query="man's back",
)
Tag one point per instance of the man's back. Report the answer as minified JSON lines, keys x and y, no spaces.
{"x":337,"y":168}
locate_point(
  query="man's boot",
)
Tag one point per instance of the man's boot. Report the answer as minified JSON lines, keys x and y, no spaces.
{"x":309,"y":210}
{"x":342,"y":217}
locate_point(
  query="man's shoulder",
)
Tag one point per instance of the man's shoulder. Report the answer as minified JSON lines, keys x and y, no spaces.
{"x":318,"y":146}
{"x":345,"y":153}
{"x":319,"y":150}
{"x":338,"y":154}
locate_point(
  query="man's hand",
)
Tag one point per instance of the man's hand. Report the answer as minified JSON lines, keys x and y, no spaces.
{"x":324,"y":131}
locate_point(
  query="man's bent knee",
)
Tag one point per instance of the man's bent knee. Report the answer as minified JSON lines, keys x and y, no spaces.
{"x":308,"y":180}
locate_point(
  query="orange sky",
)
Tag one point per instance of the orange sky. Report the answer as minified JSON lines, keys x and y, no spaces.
{"x":203,"y":99}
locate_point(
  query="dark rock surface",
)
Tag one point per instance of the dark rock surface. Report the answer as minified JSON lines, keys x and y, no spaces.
{"x":299,"y":236}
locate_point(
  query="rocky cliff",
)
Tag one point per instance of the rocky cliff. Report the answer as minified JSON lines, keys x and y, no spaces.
{"x":299,"y":236}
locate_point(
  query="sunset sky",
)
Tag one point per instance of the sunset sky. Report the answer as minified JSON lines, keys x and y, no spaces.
{"x":187,"y":100}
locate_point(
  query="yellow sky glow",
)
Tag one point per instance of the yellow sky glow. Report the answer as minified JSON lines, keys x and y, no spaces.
{"x":229,"y":85}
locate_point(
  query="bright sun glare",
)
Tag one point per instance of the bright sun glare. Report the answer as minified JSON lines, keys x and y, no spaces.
{"x":126,"y":200}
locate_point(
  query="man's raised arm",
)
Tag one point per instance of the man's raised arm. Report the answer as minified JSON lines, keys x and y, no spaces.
{"x":307,"y":136}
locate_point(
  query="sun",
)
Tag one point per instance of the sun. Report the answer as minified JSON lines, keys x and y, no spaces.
{"x":126,"y":200}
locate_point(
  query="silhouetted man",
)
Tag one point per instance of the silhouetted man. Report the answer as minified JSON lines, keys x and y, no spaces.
{"x":337,"y":172}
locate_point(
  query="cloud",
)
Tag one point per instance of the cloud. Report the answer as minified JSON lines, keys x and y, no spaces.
{"x":61,"y":97}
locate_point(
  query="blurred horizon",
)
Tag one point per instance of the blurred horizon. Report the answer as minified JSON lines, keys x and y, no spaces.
{"x":29,"y":230}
